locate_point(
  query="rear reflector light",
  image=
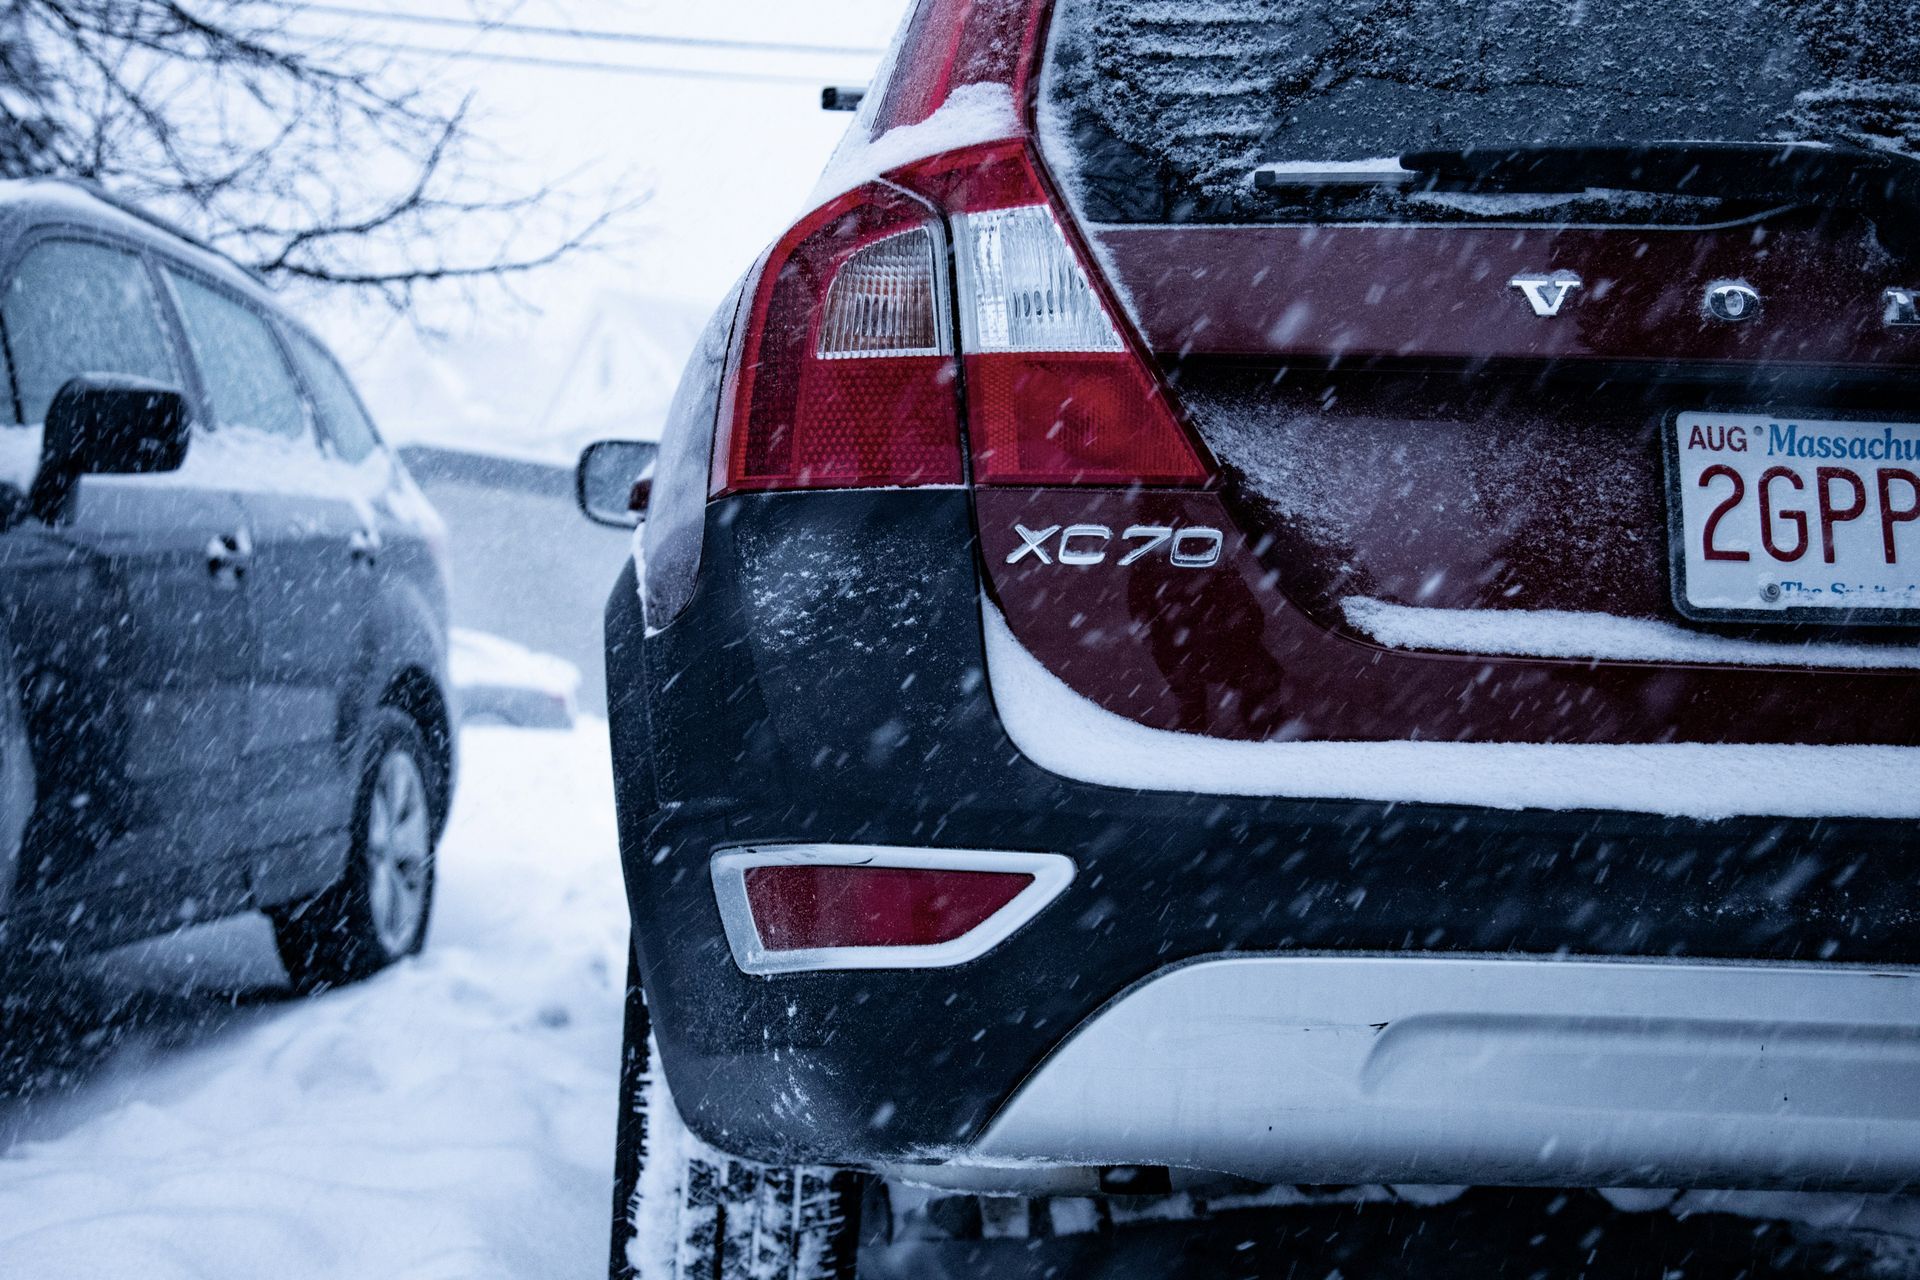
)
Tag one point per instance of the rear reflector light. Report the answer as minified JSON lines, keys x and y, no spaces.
{"x":797,"y":907}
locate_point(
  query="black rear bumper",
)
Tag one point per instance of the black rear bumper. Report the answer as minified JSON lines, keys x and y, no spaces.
{"x":828,"y":684}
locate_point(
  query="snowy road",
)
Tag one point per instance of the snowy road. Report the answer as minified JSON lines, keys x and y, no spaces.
{"x":452,"y":1119}
{"x":449,"y":1120}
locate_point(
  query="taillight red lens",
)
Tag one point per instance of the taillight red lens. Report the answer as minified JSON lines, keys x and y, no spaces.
{"x":845,"y":373}
{"x":806,"y":908}
{"x":1044,"y":419}
{"x":845,"y":376}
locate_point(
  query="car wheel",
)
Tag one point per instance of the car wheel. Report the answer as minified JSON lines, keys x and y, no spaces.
{"x":683,"y":1210}
{"x":376,"y":912}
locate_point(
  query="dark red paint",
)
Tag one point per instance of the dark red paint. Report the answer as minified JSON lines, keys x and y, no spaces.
{"x":1226,"y":652}
{"x":1464,"y":453}
{"x":1427,"y":291}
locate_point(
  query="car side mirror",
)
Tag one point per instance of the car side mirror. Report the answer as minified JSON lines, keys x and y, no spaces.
{"x":614,"y":481}
{"x":106,"y":424}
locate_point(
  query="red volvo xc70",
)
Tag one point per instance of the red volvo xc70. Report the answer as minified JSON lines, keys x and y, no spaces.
{"x":1306,"y":592}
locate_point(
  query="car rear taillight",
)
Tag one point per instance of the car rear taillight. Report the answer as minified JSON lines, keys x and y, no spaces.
{"x":844,"y":375}
{"x":853,"y":907}
{"x":1057,"y":392}
{"x":949,"y":45}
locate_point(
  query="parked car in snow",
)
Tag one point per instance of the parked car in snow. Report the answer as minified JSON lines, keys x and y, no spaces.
{"x":223,"y":669}
{"x":1284,"y":592}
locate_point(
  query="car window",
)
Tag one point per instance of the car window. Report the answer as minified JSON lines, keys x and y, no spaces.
{"x":1172,"y":105}
{"x":343,"y":421}
{"x":73,"y":307}
{"x":248,"y":381}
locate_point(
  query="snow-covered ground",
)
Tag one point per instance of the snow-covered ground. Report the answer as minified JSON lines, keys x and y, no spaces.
{"x":498,"y":681}
{"x":452,"y":1119}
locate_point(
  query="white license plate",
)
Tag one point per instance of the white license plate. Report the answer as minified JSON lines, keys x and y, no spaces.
{"x":1777,"y":516}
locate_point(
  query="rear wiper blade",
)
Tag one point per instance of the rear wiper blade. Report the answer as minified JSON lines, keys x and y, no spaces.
{"x":1384,"y":172}
{"x":1738,"y":170}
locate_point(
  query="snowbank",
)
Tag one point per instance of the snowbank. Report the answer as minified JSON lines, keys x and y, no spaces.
{"x":494,"y":678}
{"x":449,"y":1120}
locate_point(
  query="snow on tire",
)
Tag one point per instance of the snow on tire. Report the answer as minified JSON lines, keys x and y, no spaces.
{"x":684,"y":1210}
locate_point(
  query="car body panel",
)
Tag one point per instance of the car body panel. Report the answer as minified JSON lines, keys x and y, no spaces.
{"x":828,"y":678}
{"x":1442,"y":292}
{"x":1228,"y":651}
{"x":738,"y":723}
{"x":157,"y":806}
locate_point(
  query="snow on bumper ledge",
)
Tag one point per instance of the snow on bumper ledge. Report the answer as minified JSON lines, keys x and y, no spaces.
{"x":1070,"y":735}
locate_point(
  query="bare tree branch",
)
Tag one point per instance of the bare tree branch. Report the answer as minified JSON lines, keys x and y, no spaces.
{"x":306,"y":157}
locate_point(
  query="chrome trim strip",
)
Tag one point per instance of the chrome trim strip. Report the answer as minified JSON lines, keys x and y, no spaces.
{"x":1051,"y":874}
{"x":1488,"y":1069}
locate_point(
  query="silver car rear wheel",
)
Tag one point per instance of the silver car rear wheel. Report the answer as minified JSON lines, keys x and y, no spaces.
{"x":376,"y":913}
{"x":399,"y":852}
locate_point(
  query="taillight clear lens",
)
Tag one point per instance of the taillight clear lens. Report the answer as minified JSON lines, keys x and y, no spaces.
{"x":804,"y":908}
{"x":1023,"y":287}
{"x":857,"y":278}
{"x":885,"y":301}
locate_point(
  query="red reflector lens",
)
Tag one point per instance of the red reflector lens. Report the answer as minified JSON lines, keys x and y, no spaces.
{"x":804,"y":908}
{"x":1073,"y":418}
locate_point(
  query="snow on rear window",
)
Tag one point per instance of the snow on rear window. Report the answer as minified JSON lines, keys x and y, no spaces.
{"x":1159,"y":108}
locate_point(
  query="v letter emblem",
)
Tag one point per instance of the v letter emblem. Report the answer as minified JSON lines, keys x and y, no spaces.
{"x":1546,"y":294}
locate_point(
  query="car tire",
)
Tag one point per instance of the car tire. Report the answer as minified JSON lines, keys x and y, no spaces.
{"x":376,"y":913}
{"x":683,"y":1210}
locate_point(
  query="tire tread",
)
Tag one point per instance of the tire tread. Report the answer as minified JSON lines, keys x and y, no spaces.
{"x":735,"y":1219}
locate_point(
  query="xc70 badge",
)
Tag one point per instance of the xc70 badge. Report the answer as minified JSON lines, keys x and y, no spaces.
{"x":1193,"y":547}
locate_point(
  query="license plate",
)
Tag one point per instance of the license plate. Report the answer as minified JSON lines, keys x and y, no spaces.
{"x":1777,"y":517}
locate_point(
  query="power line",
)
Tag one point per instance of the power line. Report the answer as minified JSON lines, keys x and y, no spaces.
{"x":582,"y":64}
{"x":579,"y":33}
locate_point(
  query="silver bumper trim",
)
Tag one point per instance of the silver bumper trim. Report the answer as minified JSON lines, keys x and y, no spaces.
{"x":1489,"y":1070}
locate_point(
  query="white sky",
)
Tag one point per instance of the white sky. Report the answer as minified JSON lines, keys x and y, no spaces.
{"x":728,"y":162}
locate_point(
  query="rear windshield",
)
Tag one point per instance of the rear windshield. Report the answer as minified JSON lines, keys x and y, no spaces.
{"x":1162,"y":109}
